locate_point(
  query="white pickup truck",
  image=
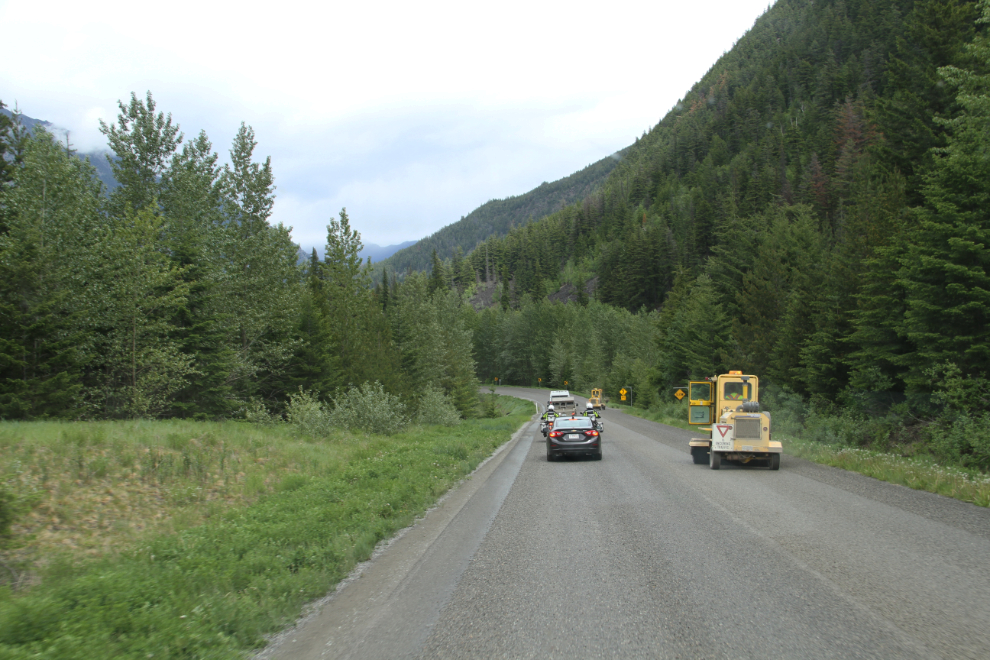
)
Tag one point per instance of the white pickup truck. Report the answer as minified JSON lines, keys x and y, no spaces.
{"x":562,"y":401}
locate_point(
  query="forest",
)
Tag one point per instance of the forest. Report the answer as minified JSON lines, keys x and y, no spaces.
{"x":173,"y":296}
{"x":812,"y":211}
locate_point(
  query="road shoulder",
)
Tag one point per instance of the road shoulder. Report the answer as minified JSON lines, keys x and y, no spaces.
{"x":366,"y":608}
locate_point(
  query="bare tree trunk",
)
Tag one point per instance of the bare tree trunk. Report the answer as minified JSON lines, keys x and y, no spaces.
{"x":134,"y":355}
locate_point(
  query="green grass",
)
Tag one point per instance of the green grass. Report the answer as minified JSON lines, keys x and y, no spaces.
{"x":218,"y":571}
{"x":919,"y":472}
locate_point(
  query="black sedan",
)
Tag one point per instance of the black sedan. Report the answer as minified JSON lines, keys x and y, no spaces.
{"x":574,"y":435}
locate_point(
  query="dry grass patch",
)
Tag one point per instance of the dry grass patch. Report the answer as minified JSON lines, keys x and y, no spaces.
{"x":88,"y":489}
{"x":195,"y":540}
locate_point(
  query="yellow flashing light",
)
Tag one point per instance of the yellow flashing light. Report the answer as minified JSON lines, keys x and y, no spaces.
{"x":735,"y":373}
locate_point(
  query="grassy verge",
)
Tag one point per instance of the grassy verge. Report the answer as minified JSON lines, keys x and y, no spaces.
{"x":918,"y":472}
{"x":186,"y":540}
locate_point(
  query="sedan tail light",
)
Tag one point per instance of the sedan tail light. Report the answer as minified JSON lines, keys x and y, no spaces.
{"x":591,"y":432}
{"x":555,"y":434}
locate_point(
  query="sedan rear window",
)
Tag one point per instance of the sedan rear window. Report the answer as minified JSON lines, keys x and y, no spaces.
{"x":579,"y":423}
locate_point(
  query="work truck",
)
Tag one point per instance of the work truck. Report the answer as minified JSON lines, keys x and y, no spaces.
{"x":728,"y":408}
{"x":562,"y":401}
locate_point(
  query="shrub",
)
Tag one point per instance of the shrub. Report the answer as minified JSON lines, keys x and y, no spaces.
{"x":489,"y":406}
{"x":962,"y":438}
{"x":256,"y":413}
{"x":308,"y":414}
{"x":787,"y":410}
{"x":435,"y":407}
{"x":670,"y":410}
{"x":958,"y":391}
{"x":369,"y":408}
{"x":831,"y":429}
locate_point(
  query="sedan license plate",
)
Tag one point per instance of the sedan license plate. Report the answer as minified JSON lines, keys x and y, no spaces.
{"x":574,"y":436}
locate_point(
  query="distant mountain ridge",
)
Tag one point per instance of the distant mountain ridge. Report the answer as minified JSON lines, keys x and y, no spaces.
{"x":97,"y":158}
{"x":376,"y":252}
{"x":498,"y":216}
{"x":380,"y":252}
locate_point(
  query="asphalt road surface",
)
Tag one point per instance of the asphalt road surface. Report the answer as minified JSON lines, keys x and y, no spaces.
{"x":646,"y":555}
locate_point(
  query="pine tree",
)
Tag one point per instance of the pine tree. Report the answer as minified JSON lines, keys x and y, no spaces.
{"x":315,"y":366}
{"x":792,"y":243}
{"x":701,"y":333}
{"x":132,"y":299}
{"x":192,"y":200}
{"x":946,"y":260}
{"x":936,"y":32}
{"x":259,"y":291}
{"x":437,"y":275}
{"x":53,"y":213}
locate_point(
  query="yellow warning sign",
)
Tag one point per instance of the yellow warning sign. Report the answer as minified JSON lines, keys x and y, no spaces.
{"x":679,"y":394}
{"x":622,"y":393}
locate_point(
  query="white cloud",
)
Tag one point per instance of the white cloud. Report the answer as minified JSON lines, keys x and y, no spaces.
{"x":408,"y":114}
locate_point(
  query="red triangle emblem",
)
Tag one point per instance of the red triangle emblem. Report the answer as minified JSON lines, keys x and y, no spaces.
{"x":723,"y":429}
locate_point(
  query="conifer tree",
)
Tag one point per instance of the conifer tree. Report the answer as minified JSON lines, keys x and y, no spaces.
{"x":53,"y":204}
{"x":437,"y":275}
{"x":946,"y":259}
{"x":132,"y":299}
{"x":936,"y":32}
{"x":192,"y":200}
{"x":315,"y":366}
{"x":791,"y":245}
{"x":700,"y":333}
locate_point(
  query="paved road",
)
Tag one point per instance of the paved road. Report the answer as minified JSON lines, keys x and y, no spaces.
{"x":645,"y":554}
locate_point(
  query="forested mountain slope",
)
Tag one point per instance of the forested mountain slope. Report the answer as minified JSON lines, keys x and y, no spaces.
{"x":498,"y":216}
{"x":813,"y":211}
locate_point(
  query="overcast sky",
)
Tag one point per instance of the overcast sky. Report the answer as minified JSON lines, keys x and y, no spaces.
{"x":410,"y":114}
